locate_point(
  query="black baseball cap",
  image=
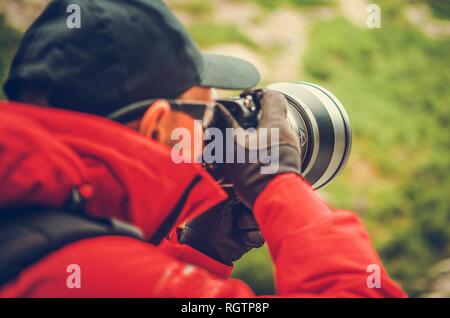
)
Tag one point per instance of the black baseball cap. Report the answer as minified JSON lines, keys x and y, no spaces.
{"x":125,"y":51}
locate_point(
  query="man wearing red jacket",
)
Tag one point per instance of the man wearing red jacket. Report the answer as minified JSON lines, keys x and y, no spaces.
{"x":63,"y":155}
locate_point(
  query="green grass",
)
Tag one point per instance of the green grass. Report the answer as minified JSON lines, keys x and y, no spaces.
{"x":394,"y":84}
{"x":273,"y":4}
{"x":440,"y":8}
{"x":207,"y":34}
{"x":196,"y":8}
{"x":9,"y":41}
{"x":256,"y":270}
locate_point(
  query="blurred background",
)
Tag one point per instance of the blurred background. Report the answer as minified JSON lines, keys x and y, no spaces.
{"x":394,"y":82}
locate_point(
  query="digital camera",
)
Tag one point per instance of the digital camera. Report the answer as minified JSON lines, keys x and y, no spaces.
{"x":314,"y":114}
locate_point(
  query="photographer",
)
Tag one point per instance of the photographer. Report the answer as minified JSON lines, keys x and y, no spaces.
{"x":59,"y":153}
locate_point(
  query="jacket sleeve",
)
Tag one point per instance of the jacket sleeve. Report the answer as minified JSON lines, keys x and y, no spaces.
{"x":318,"y":252}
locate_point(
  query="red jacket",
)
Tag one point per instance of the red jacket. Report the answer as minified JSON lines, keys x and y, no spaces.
{"x":45,"y":152}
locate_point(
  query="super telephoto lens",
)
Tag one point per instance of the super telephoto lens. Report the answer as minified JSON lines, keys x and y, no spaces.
{"x":323,"y":127}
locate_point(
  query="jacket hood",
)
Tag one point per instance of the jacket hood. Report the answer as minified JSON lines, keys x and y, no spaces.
{"x":45,"y":153}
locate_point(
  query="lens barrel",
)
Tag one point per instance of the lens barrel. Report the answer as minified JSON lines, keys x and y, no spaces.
{"x":323,"y":128}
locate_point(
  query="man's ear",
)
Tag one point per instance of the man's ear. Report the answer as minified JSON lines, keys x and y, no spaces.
{"x":154,"y":120}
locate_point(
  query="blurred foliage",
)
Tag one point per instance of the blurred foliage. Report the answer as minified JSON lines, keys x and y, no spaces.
{"x":393,"y":82}
{"x":256,"y":269}
{"x":209,"y":33}
{"x":440,"y":8}
{"x":196,"y":8}
{"x":9,"y":40}
{"x":271,"y":4}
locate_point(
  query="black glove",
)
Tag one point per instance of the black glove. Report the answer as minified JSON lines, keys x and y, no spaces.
{"x":246,"y":177}
{"x":224,"y":233}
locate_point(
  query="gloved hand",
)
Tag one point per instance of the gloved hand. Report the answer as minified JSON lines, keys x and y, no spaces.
{"x":247,"y":178}
{"x":224,"y":233}
{"x":229,"y":230}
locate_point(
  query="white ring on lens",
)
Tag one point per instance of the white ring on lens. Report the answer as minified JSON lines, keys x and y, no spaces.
{"x":332,"y":106}
{"x":284,"y":88}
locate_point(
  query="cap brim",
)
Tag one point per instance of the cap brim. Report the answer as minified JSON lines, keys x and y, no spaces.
{"x":228,"y":72}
